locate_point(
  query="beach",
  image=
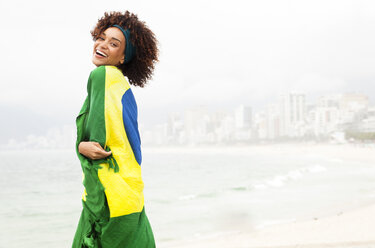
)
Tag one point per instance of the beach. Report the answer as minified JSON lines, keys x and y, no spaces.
{"x":354,"y":228}
{"x":350,"y":227}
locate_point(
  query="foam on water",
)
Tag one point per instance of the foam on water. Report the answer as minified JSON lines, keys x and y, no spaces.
{"x":292,"y":175}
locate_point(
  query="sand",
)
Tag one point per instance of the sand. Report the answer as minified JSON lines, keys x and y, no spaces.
{"x":353,"y":228}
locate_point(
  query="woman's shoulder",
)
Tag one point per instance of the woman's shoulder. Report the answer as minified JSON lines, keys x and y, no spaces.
{"x":98,"y":72}
{"x":107,"y":76}
{"x":114,"y":75}
{"x":102,"y":70}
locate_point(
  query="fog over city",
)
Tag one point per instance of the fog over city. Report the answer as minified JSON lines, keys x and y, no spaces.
{"x":217,"y":54}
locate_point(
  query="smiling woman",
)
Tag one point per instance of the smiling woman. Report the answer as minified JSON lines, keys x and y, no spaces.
{"x":140,"y":45}
{"x":108,"y":141}
{"x":109,"y":48}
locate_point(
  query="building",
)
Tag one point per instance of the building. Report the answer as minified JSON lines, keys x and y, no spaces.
{"x":292,"y":114}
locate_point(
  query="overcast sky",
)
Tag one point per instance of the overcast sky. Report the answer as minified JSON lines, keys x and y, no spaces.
{"x":217,"y":53}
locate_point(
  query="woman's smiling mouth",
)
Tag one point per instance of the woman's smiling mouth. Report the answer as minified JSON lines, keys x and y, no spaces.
{"x":100,"y":54}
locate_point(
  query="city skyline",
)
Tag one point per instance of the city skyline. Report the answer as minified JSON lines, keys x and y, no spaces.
{"x":289,"y":117}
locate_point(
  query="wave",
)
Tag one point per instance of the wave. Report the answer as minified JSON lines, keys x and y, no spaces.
{"x":281,"y":179}
{"x":276,"y":181}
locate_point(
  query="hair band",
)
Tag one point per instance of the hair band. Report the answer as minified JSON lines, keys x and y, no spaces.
{"x":129,"y":47}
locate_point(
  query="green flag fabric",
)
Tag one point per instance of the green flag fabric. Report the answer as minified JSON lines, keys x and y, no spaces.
{"x":113,"y":214}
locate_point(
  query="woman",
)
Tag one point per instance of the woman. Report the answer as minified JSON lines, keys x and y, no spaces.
{"x":108,"y":142}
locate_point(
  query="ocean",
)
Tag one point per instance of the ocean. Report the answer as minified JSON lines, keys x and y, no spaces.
{"x":189,"y":193}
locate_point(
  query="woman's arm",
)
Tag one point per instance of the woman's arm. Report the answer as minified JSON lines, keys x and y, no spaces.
{"x":95,"y":140}
{"x":92,"y":150}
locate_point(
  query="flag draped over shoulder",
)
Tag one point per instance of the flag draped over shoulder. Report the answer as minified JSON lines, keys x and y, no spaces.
{"x":113,"y":213}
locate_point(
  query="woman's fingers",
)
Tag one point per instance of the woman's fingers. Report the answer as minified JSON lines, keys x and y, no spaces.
{"x":101,"y":153}
{"x":97,"y":152}
{"x":96,"y":144}
{"x":93,"y":150}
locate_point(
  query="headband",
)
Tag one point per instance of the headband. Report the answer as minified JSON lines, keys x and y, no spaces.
{"x":129,"y":47}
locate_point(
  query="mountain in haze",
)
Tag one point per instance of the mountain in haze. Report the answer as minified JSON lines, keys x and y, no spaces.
{"x":17,"y":122}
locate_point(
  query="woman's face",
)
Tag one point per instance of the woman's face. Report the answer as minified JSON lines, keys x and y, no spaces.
{"x":109,"y":48}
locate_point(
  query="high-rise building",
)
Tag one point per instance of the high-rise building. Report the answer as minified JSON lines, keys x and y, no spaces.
{"x":292,"y":113}
{"x":242,"y":116}
{"x":272,"y":121}
{"x":243,"y":122}
{"x":196,"y":123}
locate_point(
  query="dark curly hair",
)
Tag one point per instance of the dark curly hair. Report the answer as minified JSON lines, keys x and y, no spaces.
{"x":141,"y":67}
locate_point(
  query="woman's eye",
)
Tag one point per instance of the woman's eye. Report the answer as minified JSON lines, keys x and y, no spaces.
{"x":114,"y":44}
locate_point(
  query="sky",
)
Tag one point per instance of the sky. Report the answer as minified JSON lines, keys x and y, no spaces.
{"x":214,"y":53}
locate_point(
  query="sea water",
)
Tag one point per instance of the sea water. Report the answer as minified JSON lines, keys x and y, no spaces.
{"x":188,"y":195}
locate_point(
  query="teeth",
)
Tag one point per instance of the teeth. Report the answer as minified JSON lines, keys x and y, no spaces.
{"x":101,"y":53}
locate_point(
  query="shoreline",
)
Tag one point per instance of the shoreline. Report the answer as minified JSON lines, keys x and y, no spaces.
{"x":352,"y":228}
{"x":357,"y":152}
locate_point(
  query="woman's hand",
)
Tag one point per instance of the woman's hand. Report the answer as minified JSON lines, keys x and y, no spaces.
{"x":92,"y":150}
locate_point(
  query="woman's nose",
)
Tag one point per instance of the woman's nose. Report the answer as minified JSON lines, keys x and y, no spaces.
{"x":103,"y":45}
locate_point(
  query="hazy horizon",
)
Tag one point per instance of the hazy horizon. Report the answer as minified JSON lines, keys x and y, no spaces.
{"x":219,"y":54}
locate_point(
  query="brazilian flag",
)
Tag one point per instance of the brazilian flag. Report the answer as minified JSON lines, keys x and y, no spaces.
{"x":113,"y":213}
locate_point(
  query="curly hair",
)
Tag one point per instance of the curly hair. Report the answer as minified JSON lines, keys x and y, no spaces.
{"x":141,"y":67}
